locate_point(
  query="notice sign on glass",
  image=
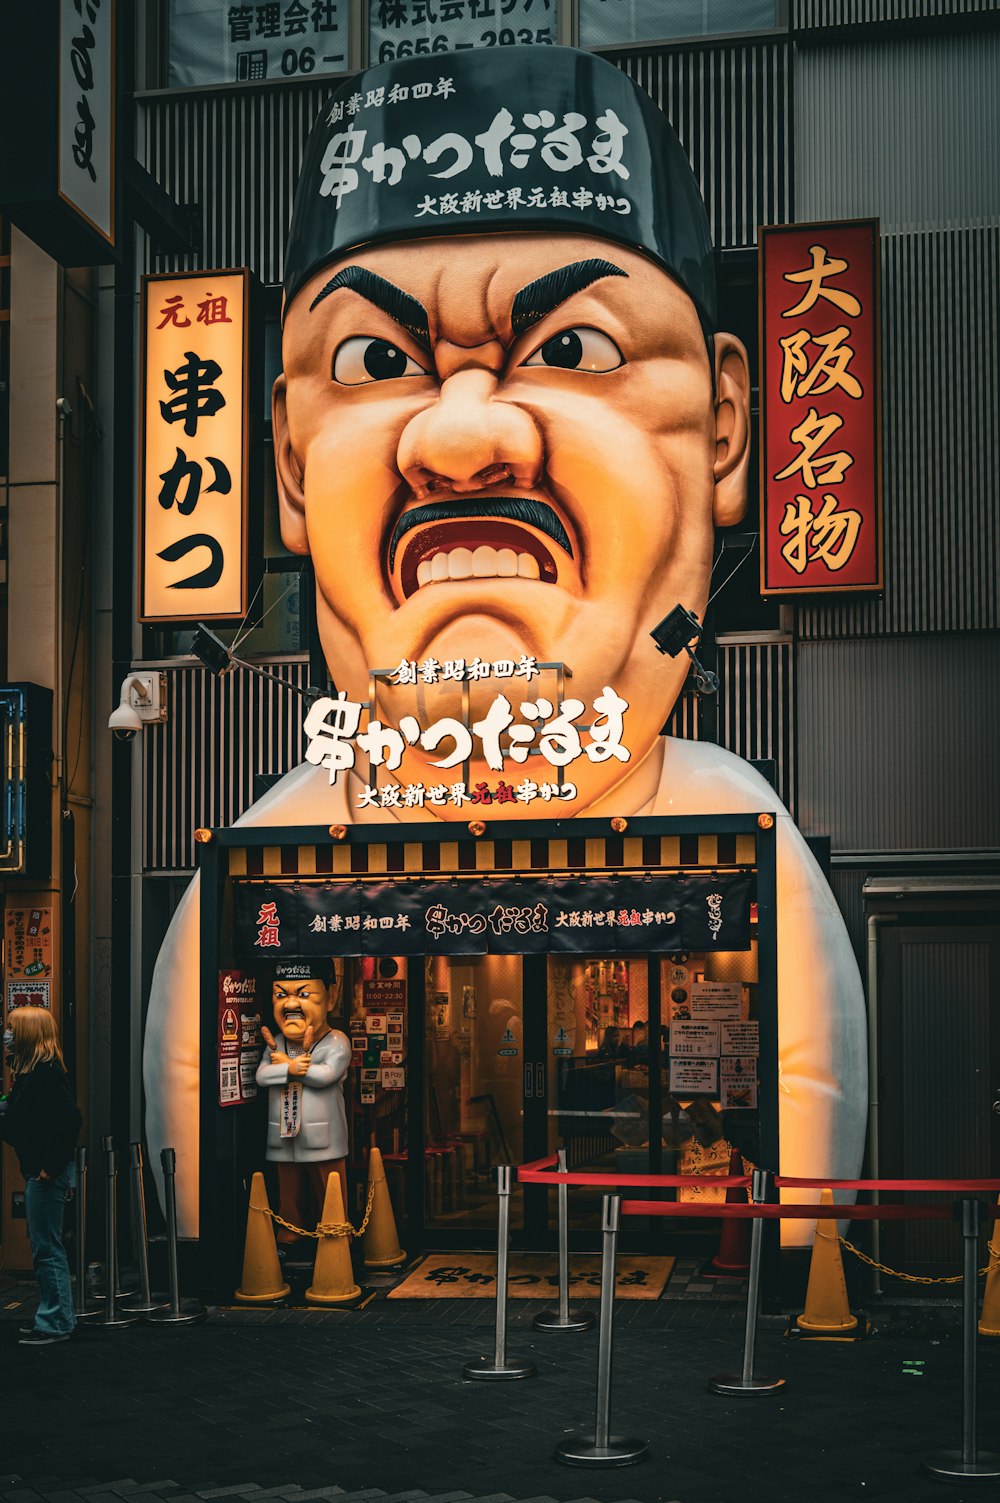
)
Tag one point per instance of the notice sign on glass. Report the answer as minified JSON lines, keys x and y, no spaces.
{"x":411,"y":28}
{"x":821,"y":490}
{"x":198,"y":389}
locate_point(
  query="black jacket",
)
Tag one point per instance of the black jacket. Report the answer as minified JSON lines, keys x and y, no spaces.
{"x":42,"y":1121}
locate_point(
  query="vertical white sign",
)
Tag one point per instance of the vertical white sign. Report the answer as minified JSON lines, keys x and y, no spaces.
{"x":87,"y":111}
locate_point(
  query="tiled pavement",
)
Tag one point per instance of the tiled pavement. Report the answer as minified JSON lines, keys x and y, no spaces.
{"x":371,"y":1405}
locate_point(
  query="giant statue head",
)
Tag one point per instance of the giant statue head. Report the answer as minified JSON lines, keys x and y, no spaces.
{"x":507,"y":424}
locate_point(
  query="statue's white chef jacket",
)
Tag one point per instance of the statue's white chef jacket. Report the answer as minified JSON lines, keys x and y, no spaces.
{"x":320,"y":1113}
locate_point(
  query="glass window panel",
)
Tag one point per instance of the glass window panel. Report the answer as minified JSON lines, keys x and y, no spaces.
{"x":474,"y":1071}
{"x":411,"y":28}
{"x":598,"y":1105}
{"x":212,"y":41}
{"x":611,"y":23}
{"x":705,"y":1120}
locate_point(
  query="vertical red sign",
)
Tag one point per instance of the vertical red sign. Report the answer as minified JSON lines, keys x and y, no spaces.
{"x":821,"y":482}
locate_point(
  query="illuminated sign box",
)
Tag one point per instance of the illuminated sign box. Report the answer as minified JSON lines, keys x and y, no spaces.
{"x":58,"y":179}
{"x":821,"y":473}
{"x":25,"y":789}
{"x":199,"y":486}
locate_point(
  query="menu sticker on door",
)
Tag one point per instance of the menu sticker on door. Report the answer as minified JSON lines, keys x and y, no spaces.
{"x":741,"y":1038}
{"x":716,"y":999}
{"x":738,"y":1084}
{"x":693,"y":1077}
{"x":694,"y":1037}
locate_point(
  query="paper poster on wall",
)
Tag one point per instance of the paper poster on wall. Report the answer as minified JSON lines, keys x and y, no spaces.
{"x":239,"y":1040}
{"x":28,"y":994}
{"x":716,"y":999}
{"x":693,"y":1077}
{"x":738,"y":1084}
{"x":693,"y":1037}
{"x":740,"y":1038}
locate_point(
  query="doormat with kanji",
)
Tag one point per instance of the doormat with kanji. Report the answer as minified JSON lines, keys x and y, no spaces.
{"x":532,"y":1276}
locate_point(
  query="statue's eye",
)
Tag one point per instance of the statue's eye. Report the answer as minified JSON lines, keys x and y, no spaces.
{"x":579,"y":350}
{"x":363,"y":358}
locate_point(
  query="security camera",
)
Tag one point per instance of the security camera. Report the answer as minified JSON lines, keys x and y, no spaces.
{"x":143,"y":700}
{"x":125,"y":722}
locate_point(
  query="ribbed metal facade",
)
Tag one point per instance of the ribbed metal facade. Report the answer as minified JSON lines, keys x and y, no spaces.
{"x":757,"y":708}
{"x":237,"y":157}
{"x":897,"y":743}
{"x":731,"y":109}
{"x":199,"y":767}
{"x":816,"y":14}
{"x":907,"y":130}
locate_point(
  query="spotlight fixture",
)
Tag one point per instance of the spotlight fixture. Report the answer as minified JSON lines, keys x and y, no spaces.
{"x":680,"y":631}
{"x":219,"y":659}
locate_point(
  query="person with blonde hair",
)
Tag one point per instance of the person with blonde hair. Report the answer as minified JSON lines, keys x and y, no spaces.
{"x":41,"y":1123}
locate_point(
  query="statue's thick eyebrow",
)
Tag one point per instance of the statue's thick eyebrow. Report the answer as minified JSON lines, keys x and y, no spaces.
{"x":540,"y":297}
{"x":403,"y":309}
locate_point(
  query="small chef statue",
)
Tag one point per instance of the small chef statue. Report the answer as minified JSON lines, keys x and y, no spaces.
{"x":304,"y":1067}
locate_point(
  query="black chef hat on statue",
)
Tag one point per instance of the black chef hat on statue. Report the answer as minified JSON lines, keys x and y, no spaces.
{"x":511,"y":138}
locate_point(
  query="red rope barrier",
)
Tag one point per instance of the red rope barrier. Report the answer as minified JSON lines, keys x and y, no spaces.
{"x":946,"y":1186}
{"x":771,"y":1212}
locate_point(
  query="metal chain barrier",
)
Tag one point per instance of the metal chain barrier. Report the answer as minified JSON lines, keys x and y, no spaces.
{"x":913,"y":1278}
{"x":327,"y":1228}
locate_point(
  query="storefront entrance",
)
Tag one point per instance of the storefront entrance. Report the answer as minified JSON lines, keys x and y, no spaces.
{"x":543,"y":1019}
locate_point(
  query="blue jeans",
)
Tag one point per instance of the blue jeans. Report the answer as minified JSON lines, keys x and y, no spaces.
{"x":44,"y":1203}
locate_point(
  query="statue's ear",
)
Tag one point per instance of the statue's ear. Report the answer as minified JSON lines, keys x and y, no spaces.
{"x":732,"y":430}
{"x":289,"y":472}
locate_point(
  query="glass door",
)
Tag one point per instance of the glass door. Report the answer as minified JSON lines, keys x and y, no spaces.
{"x":604,"y":1085}
{"x":474,"y":1081}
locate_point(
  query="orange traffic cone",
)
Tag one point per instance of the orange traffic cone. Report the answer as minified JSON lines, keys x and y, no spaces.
{"x":381,"y":1240}
{"x":333,"y":1276}
{"x":262,"y":1282}
{"x":732,"y":1261}
{"x":989,"y":1316}
{"x":827,"y":1311}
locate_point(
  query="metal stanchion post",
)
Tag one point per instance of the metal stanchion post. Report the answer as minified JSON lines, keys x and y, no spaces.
{"x":173,"y":1315}
{"x":563,"y":1319}
{"x":142,"y":1301}
{"x":605,"y":1449}
{"x":81,"y":1308}
{"x":969,"y":1464}
{"x":112,"y":1319}
{"x":745,"y":1382}
{"x":498,"y":1367}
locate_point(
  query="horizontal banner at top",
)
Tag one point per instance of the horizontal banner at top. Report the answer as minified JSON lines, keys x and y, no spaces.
{"x":583,"y":915}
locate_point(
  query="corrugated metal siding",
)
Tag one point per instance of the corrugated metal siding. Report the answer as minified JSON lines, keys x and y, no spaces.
{"x":940,"y":440}
{"x":846,"y":884}
{"x":907,"y":130}
{"x":200,"y":765}
{"x":929,"y":971}
{"x":809,"y":14}
{"x":731,"y":108}
{"x":757,"y":708}
{"x":897,"y":743}
{"x":237,"y":156}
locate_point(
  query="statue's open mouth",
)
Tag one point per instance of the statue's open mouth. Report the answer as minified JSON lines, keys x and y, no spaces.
{"x":495,"y":537}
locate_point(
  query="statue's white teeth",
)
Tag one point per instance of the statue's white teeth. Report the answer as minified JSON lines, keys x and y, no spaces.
{"x":481,"y":563}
